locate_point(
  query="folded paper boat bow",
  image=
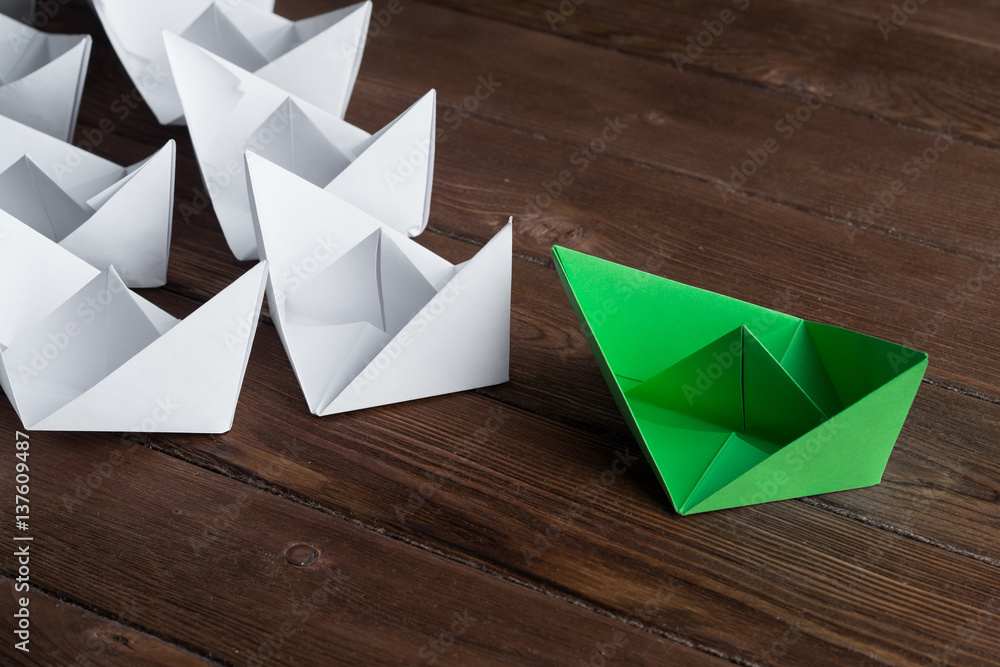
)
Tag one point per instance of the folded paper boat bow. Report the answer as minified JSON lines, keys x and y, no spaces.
{"x":41,"y":76}
{"x":79,"y":351}
{"x":229,"y":110}
{"x":368,"y":316}
{"x":102,"y":212}
{"x":736,"y":404}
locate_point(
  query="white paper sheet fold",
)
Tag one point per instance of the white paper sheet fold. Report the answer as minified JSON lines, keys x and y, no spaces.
{"x":102,"y":212}
{"x":79,"y":351}
{"x":41,"y":76}
{"x":368,"y":316}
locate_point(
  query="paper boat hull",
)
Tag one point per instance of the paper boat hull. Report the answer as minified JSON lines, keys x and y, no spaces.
{"x":638,"y":325}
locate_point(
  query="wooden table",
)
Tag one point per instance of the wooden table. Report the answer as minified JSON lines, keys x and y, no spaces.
{"x":476,"y":528}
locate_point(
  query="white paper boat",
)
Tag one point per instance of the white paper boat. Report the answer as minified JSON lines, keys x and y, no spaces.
{"x":105,"y":359}
{"x":41,"y":76}
{"x":229,"y":110}
{"x":104,"y":213}
{"x":368,"y":316}
{"x":316,"y":59}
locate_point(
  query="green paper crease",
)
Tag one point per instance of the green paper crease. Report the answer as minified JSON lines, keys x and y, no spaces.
{"x":735,"y":404}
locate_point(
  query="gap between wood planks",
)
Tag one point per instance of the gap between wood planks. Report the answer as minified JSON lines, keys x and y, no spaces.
{"x":917,"y":29}
{"x":892,"y":233}
{"x":86,"y":607}
{"x":254,"y":481}
{"x":784,"y":91}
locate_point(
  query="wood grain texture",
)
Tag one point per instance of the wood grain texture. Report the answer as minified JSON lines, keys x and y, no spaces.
{"x":962,"y":21}
{"x":497,"y":502}
{"x":507,"y":502}
{"x":909,"y":77}
{"x":203,"y":560}
{"x":65,"y":634}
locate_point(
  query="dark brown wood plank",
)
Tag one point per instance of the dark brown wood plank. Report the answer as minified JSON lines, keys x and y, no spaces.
{"x":491,"y":505}
{"x":205,"y":561}
{"x":833,"y":166}
{"x":65,"y":634}
{"x":963,"y":20}
{"x":912,"y":78}
{"x":744,"y":248}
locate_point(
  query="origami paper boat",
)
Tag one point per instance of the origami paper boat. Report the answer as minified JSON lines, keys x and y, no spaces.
{"x":368,"y":316}
{"x":104,"y":358}
{"x":316,"y":59}
{"x":229,"y":110}
{"x":41,"y":77}
{"x":103,"y":213}
{"x":18,"y":9}
{"x":735,"y":404}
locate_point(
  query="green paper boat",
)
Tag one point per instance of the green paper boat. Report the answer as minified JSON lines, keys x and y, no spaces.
{"x":735,"y":404}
